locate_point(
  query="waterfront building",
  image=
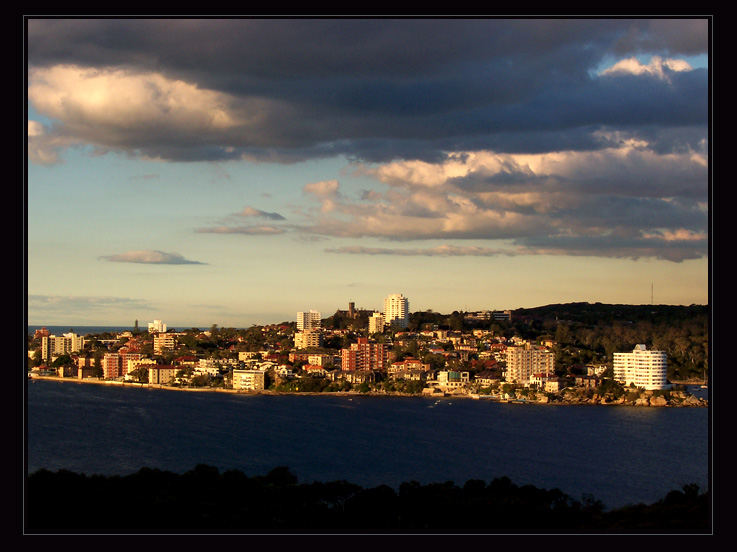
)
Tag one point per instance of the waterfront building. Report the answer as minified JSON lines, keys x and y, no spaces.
{"x":451,"y":379}
{"x":157,"y":326}
{"x":162,"y":373}
{"x":53,"y":346}
{"x":115,"y":365}
{"x":308,"y":338}
{"x":524,"y":361}
{"x":249,"y":380}
{"x":376,"y":323}
{"x":364,"y":355}
{"x":309,"y":320}
{"x":396,"y":310}
{"x":645,"y":368}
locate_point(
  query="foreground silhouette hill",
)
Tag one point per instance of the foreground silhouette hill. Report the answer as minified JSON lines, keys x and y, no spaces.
{"x":205,"y":500}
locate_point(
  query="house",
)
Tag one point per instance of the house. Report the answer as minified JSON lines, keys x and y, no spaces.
{"x":487,"y":378}
{"x":353,"y":376}
{"x":408,"y":363}
{"x":314,"y":370}
{"x":452,"y":380}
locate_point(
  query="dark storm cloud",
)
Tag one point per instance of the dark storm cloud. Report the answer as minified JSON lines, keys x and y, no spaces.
{"x":374,"y":89}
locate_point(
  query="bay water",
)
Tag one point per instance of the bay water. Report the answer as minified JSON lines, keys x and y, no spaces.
{"x":619,"y":455}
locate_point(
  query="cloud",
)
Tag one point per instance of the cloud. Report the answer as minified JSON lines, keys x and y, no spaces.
{"x":657,"y":67}
{"x":250,"y":230}
{"x":65,"y":303}
{"x":414,"y":89}
{"x":252,"y":212}
{"x":626,"y":196}
{"x":150,"y":257}
{"x":439,"y":251}
{"x":326,"y":188}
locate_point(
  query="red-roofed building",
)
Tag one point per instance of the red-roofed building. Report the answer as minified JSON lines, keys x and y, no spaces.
{"x":314,"y":370}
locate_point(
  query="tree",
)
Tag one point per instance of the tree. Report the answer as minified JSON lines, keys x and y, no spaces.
{"x":63,"y":360}
{"x":140,"y":374}
{"x":98,"y":364}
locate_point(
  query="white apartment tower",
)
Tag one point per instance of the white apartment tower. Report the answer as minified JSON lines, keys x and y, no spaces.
{"x":156,"y":326}
{"x":646,"y":369}
{"x":376,"y":323}
{"x":308,"y":320}
{"x":396,"y":310}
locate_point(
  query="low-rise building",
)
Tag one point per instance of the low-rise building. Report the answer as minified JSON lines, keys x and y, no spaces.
{"x":589,"y":382}
{"x":407,"y":364}
{"x":161,"y":373}
{"x":249,"y":380}
{"x":451,"y":379}
{"x":314,"y":370}
{"x":163,"y":342}
{"x":486,"y":378}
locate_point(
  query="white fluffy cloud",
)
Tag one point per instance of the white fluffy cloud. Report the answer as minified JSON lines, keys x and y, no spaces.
{"x":657,"y":67}
{"x":619,"y":201}
{"x":116,"y":98}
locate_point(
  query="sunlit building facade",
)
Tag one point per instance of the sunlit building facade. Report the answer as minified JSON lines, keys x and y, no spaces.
{"x":309,"y":320}
{"x":396,"y":310}
{"x":644,"y":368}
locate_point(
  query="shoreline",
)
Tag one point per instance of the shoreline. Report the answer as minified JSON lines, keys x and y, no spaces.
{"x":351,"y":394}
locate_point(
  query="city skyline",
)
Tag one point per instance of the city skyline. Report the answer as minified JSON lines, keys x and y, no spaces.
{"x":468,"y":164}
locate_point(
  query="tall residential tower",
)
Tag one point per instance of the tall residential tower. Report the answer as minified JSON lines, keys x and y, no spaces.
{"x":308,"y":320}
{"x":396,"y":310}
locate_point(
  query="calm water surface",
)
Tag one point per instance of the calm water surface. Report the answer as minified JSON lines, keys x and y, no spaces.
{"x":619,"y":455}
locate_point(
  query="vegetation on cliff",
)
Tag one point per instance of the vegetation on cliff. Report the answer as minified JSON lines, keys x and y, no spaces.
{"x":206,"y":500}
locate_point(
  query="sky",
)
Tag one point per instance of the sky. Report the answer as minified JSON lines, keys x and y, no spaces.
{"x":237,"y":171}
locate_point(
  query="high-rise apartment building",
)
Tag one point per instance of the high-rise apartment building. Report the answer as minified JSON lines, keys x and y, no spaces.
{"x":52,"y":345}
{"x":523,"y":362}
{"x":365,"y":356}
{"x":376,"y":323}
{"x":308,"y":320}
{"x":646,"y":369}
{"x":396,"y":310}
{"x":307,"y":339}
{"x":156,"y":326}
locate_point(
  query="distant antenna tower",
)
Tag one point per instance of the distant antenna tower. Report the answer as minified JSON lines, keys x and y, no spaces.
{"x":651,"y":294}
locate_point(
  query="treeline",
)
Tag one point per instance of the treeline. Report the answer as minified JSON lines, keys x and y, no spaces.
{"x":206,"y":500}
{"x":592,"y":332}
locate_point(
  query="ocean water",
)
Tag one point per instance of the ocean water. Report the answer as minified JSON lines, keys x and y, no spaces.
{"x":84,"y":330}
{"x":620,"y":455}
